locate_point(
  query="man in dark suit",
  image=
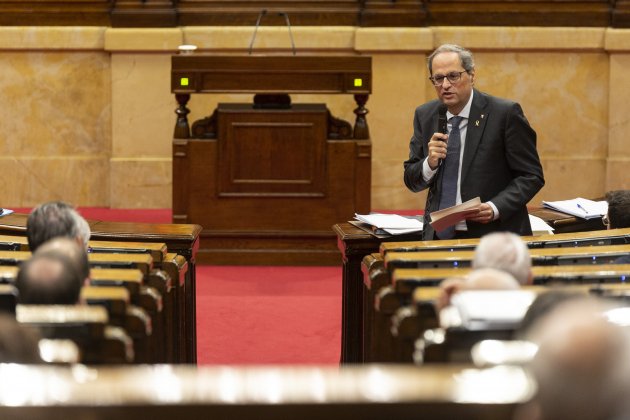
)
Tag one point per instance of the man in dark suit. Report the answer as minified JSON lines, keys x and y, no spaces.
{"x":491,"y":154}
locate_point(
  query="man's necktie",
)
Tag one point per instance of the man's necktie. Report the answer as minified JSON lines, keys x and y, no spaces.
{"x":449,"y":175}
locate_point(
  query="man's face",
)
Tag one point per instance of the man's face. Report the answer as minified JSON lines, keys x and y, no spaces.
{"x":454,"y":95}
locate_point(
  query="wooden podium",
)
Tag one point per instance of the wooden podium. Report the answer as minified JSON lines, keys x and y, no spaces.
{"x":269,"y":179}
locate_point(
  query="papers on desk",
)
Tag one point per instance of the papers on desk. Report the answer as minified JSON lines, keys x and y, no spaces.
{"x":539,"y":226}
{"x":393,"y":224}
{"x":4,"y":212}
{"x":579,"y":207}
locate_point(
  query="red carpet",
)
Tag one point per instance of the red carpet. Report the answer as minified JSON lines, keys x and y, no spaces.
{"x":268,"y":315}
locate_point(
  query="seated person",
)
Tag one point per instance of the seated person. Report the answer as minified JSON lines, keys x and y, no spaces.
{"x":544,"y":304}
{"x":618,"y":214}
{"x":480,"y":279}
{"x":504,"y":251}
{"x":581,"y":367}
{"x":618,"y":209}
{"x":48,"y":278}
{"x":56,"y":219}
{"x":71,"y":250}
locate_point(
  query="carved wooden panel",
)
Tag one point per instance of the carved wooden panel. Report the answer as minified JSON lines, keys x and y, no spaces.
{"x":272,"y":152}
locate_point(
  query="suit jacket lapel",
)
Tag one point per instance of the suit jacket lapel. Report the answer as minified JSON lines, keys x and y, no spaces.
{"x":476,"y":124}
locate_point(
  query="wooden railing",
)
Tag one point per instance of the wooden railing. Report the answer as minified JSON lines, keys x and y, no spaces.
{"x":366,"y":13}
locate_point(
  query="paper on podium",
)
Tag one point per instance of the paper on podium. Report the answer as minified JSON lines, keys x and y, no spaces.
{"x":450,"y":216}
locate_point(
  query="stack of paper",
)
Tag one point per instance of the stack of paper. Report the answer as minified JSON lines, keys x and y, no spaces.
{"x":539,"y":226}
{"x":392,"y":224}
{"x":579,"y":207}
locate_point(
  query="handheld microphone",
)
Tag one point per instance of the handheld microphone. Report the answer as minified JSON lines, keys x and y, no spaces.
{"x":262,"y":13}
{"x":442,"y":128}
{"x":442,"y":120}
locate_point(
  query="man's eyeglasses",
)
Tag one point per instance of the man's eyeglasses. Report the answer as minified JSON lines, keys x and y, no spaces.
{"x":453,"y":77}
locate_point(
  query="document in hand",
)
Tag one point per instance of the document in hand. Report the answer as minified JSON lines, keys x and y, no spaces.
{"x":450,"y":216}
{"x":579,"y":207}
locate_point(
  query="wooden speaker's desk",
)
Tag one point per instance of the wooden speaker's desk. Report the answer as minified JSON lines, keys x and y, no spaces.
{"x":266,"y":180}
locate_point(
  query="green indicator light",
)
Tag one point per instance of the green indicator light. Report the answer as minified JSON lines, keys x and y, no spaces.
{"x":358,"y":82}
{"x":183,"y":81}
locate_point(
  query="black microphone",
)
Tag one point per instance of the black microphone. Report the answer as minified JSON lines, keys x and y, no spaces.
{"x":286,"y":20}
{"x":442,"y":119}
{"x":262,"y":13}
{"x":442,"y":128}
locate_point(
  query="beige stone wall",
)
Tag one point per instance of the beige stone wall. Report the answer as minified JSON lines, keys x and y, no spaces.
{"x":88,"y":114}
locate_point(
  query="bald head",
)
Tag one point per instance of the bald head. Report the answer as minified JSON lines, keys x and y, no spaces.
{"x":481,"y":279}
{"x":490,"y":279}
{"x":48,"y":279}
{"x":504,"y":251}
{"x":71,"y":249}
{"x":582,"y":365}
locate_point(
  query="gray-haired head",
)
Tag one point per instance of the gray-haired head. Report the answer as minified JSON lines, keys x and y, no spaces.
{"x":465,"y":56}
{"x":55,"y":219}
{"x":504,"y":251}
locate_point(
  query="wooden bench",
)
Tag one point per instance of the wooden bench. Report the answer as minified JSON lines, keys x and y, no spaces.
{"x":378,"y":270}
{"x":149,"y":334}
{"x":86,"y":325}
{"x":453,"y":344}
{"x":181,"y":239}
{"x":354,"y":244}
{"x":606,"y":254}
{"x":405,"y":282}
{"x":133,"y":319}
{"x":562,"y":240}
{"x":407,"y":322}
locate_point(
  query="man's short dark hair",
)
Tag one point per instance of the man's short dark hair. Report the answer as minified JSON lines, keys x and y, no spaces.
{"x":50,"y":220}
{"x":48,"y":278}
{"x":618,"y":208}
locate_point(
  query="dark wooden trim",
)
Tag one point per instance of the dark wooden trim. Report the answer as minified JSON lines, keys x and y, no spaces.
{"x":363,"y":13}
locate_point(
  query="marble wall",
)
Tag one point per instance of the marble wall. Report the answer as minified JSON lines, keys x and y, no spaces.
{"x":88,"y":114}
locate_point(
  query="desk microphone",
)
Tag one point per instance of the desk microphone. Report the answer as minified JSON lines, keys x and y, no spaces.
{"x":262,"y":13}
{"x":442,"y":127}
{"x":286,"y":20}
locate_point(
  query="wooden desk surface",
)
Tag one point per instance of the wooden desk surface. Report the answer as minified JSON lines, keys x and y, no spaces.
{"x":532,"y":241}
{"x":407,"y":279}
{"x":308,"y":393}
{"x":430,"y":293}
{"x":393,"y":258}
